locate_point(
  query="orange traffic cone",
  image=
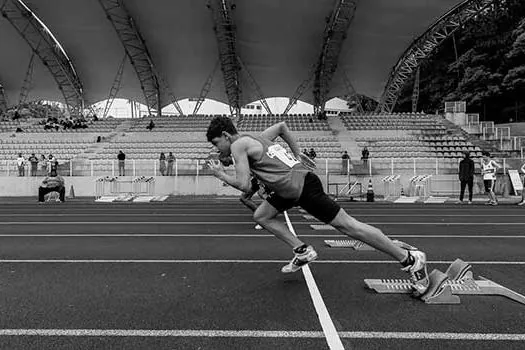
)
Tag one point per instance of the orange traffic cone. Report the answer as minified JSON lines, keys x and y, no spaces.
{"x":370,"y":192}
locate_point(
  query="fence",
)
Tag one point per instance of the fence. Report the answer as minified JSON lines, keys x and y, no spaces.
{"x":193,"y":167}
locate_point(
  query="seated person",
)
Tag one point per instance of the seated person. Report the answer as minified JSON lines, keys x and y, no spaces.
{"x":52,"y":183}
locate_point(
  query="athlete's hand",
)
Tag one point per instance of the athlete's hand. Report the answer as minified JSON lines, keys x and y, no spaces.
{"x":307,"y":162}
{"x":215,"y":167}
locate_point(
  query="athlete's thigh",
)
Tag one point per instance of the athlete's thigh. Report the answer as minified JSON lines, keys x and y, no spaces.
{"x":266,"y":211}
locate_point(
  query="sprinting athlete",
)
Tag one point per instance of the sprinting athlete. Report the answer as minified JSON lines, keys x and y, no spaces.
{"x":292,"y":184}
{"x":488,"y":170}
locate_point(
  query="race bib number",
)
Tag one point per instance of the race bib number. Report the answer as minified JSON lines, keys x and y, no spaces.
{"x":279,"y":152}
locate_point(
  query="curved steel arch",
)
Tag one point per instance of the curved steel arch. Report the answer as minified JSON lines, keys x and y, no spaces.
{"x":129,"y":35}
{"x":334,"y":36}
{"x":3,"y":100}
{"x":48,"y":49}
{"x":424,"y":45}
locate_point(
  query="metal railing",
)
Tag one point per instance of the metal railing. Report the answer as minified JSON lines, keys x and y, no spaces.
{"x":197,"y":167}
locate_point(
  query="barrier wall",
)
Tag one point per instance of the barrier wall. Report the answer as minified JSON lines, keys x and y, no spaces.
{"x":209,"y":185}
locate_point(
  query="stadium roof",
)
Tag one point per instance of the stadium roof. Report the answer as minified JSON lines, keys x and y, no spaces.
{"x":278,"y":41}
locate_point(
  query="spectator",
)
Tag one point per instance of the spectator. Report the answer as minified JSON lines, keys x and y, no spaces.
{"x":488,"y":170}
{"x":364,"y":155}
{"x":305,"y":151}
{"x":52,"y":164}
{"x":34,"y":164}
{"x":99,"y":139}
{"x":345,"y":164}
{"x":21,"y":162}
{"x":121,"y":163}
{"x":522,"y":191}
{"x":466,"y":177}
{"x":171,"y":160}
{"x":43,"y":164}
{"x":52,"y":183}
{"x":162,"y":164}
{"x":312,"y":154}
{"x":151,"y":125}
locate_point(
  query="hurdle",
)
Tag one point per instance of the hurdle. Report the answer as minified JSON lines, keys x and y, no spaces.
{"x":391,"y":186}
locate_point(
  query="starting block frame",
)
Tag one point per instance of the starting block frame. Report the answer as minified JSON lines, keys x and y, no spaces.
{"x":358,"y":245}
{"x":445,"y":288}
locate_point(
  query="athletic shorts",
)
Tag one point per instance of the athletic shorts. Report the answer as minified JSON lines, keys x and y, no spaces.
{"x":313,"y":199}
{"x":489,"y":185}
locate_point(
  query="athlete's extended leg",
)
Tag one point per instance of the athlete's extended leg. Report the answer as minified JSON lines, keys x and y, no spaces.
{"x":315,"y":201}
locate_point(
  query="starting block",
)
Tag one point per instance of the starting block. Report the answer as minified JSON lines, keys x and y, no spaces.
{"x":358,"y":245}
{"x":445,"y":288}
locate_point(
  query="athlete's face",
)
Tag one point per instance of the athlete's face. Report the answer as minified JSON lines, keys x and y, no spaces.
{"x":223,"y":144}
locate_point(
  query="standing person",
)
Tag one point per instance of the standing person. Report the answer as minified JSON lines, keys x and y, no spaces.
{"x":121,"y":163}
{"x":364,"y":155}
{"x":43,"y":164}
{"x":162,"y":164}
{"x":21,"y":162}
{"x":345,"y":163}
{"x":171,"y":160}
{"x":293,"y":184}
{"x":34,"y":164}
{"x":488,"y":170}
{"x":522,"y":191}
{"x":466,"y":177}
{"x":52,"y":164}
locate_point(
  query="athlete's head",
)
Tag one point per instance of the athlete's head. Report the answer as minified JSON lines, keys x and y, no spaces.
{"x":486,"y":155}
{"x":220,"y":133}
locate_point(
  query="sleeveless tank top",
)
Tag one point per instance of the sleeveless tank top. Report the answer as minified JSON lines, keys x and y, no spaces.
{"x":489,"y":170}
{"x":278,"y":169}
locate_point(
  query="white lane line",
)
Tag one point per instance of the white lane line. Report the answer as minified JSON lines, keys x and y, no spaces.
{"x":149,"y":213}
{"x":332,"y":338}
{"x":234,"y":261}
{"x":257,"y":334}
{"x":242,"y":235}
{"x":151,"y":223}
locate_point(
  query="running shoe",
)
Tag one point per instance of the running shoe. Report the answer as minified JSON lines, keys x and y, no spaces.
{"x":258,"y":227}
{"x":418,"y":272}
{"x":521,"y":203}
{"x":300,"y":260}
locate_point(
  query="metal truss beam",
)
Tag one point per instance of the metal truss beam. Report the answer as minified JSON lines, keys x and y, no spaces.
{"x":115,"y":87}
{"x":3,"y":100}
{"x":334,"y":36}
{"x":205,"y":89}
{"x":165,"y":86}
{"x":136,"y":50}
{"x":28,"y":80}
{"x":424,"y":45}
{"x":225,"y":33}
{"x":255,"y":87}
{"x":48,"y":49}
{"x":352,"y":94}
{"x":300,"y":91}
{"x":415,"y":92}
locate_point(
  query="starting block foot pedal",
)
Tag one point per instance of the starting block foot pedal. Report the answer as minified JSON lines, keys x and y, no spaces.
{"x":459,"y":270}
{"x":439,"y":291}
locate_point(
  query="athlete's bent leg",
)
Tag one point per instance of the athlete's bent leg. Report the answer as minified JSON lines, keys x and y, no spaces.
{"x":266,"y":216}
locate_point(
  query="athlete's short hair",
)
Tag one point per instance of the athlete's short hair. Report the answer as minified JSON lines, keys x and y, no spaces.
{"x":218,"y":125}
{"x":485,"y":153}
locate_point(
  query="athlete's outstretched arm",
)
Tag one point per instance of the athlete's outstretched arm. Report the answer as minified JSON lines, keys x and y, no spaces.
{"x":281,"y":129}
